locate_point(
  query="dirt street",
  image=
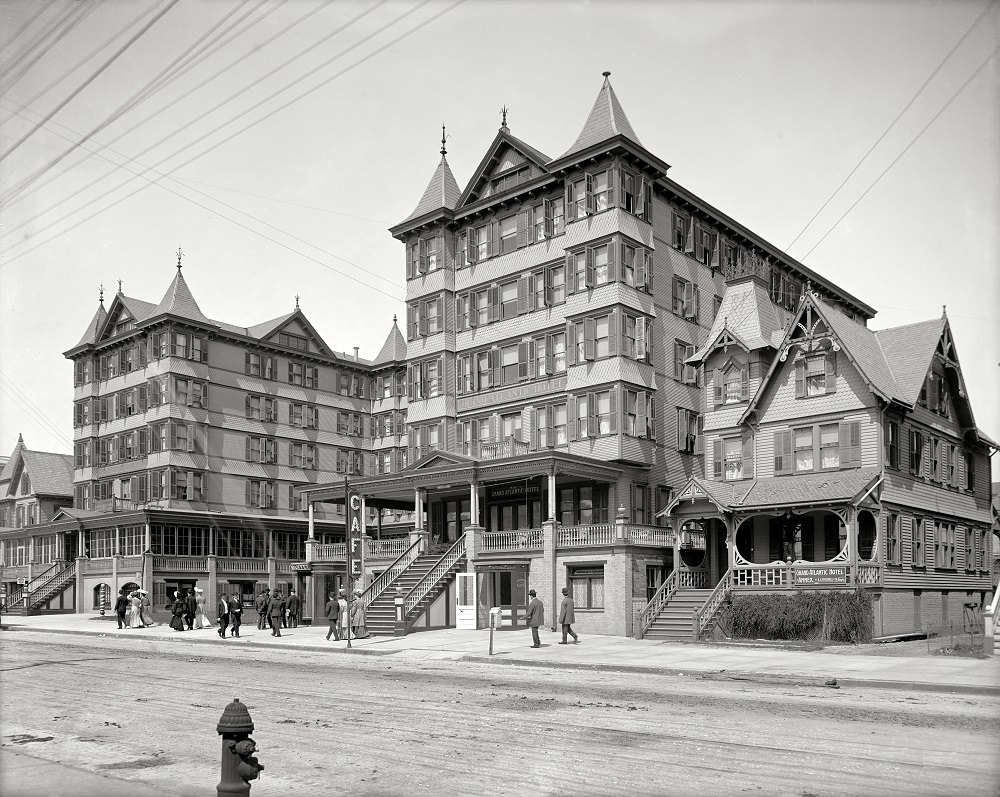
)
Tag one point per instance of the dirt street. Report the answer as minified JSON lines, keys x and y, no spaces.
{"x":331,"y":723}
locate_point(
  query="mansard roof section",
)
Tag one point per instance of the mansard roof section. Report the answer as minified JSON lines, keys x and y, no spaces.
{"x":179,"y":302}
{"x":748,"y":315}
{"x":910,"y":350}
{"x":394,"y":348}
{"x":607,"y":120}
{"x":442,"y":193}
{"x":506,"y":155}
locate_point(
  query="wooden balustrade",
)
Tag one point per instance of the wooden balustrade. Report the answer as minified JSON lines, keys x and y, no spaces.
{"x":499,"y":541}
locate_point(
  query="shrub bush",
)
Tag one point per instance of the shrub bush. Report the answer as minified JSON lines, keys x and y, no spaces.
{"x":827,"y":616}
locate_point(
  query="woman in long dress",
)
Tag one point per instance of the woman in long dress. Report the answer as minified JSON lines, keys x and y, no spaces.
{"x":358,"y":617}
{"x":200,"y":618}
{"x":177,"y":610}
{"x":145,"y":609}
{"x":132,"y":618}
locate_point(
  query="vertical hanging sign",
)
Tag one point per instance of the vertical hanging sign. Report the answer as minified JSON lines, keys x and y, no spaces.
{"x":354,"y":533}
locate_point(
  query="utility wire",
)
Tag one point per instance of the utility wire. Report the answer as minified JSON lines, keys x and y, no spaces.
{"x":42,"y":8}
{"x":905,"y":150}
{"x":58,"y":29}
{"x":892,"y":124}
{"x":126,"y":106}
{"x":93,"y":53}
{"x":272,"y":7}
{"x":90,"y":79}
{"x":31,"y":408}
{"x":366,"y":58}
{"x":159,"y":176}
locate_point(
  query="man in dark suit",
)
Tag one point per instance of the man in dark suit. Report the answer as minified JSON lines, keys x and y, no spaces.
{"x":294,"y":604}
{"x":262,"y":601}
{"x":333,"y":617}
{"x":275,"y":611}
{"x":121,"y":606}
{"x":190,"y":607}
{"x":534,"y":618}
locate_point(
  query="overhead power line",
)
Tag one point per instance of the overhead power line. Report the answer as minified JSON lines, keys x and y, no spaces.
{"x":36,"y":49}
{"x":361,"y":61}
{"x":32,"y":409}
{"x":905,"y":149}
{"x":892,"y":124}
{"x":126,"y":106}
{"x":41,"y":8}
{"x":90,"y":79}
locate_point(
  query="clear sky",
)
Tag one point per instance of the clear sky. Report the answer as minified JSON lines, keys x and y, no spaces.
{"x":280,"y":140}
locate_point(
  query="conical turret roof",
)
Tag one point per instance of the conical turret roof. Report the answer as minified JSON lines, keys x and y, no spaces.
{"x":93,"y":328}
{"x":394,"y":348}
{"x":178,"y":301}
{"x":607,"y":119}
{"x":442,"y":191}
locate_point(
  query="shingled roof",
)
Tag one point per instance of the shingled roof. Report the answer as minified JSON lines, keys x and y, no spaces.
{"x":51,"y":474}
{"x":908,"y":350}
{"x":441,"y":192}
{"x":394,"y":348}
{"x":179,"y":301}
{"x":748,"y":313}
{"x":607,"y":119}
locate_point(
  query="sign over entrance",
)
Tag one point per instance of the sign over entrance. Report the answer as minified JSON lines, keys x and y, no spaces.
{"x":821,"y":575}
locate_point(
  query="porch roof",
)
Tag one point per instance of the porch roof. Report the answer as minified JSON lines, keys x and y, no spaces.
{"x":803,"y":489}
{"x":445,"y":470}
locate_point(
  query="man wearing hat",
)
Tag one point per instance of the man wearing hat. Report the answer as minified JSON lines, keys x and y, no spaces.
{"x":262,"y":601}
{"x":567,"y":616}
{"x":190,"y":608}
{"x":534,"y":617}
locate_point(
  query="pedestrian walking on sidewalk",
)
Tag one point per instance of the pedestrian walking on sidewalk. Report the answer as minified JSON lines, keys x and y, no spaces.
{"x":275,"y":611}
{"x":223,"y":616}
{"x":177,"y":613}
{"x":236,"y":614}
{"x":132,"y":617}
{"x":294,"y":604}
{"x":145,"y":609}
{"x":121,"y":606}
{"x":567,"y":616}
{"x":190,"y":608}
{"x":358,"y":617}
{"x":262,"y":601}
{"x":333,"y":617}
{"x":345,"y":621}
{"x":535,"y":617}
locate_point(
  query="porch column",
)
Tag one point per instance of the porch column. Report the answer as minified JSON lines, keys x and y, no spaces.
{"x":676,"y":524}
{"x":212,"y":593}
{"x":473,"y":505}
{"x":81,"y":557}
{"x":473,"y":542}
{"x":549,"y":570}
{"x":852,"y":545}
{"x":552,"y":494}
{"x":272,"y":563}
{"x":311,"y":541}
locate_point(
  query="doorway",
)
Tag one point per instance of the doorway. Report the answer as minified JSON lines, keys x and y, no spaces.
{"x":505,"y":587}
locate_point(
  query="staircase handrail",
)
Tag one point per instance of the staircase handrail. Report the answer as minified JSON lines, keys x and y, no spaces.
{"x":437,"y":571}
{"x":57,"y":580}
{"x":15,"y":597}
{"x":388,"y":576}
{"x":992,"y":615}
{"x":660,"y":599}
{"x":707,"y":611}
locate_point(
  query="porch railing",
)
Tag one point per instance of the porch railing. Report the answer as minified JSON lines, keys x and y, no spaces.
{"x":386,"y":549}
{"x":650,"y":535}
{"x":430,"y":580}
{"x":704,"y":615}
{"x":692,"y":579}
{"x":511,"y":447}
{"x":524,"y":540}
{"x":115,"y":505}
{"x":227,"y":565}
{"x":391,"y":573}
{"x":827,"y":575}
{"x":693,"y":539}
{"x":578,"y":536}
{"x":191,"y":563}
{"x":656,"y":603}
{"x":329,"y":552}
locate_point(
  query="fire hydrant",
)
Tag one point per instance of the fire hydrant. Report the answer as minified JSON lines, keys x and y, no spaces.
{"x":239,"y":765}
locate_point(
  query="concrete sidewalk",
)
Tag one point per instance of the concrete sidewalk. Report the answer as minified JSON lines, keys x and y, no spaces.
{"x":622,"y":654}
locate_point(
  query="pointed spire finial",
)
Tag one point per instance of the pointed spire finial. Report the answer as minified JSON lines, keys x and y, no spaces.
{"x":20,"y":439}
{"x":503,"y":117}
{"x":443,"y":137}
{"x":944,"y":311}
{"x":606,"y":75}
{"x":180,"y":254}
{"x":119,"y":286}
{"x":394,"y":319}
{"x":101,"y":293}
{"x":296,"y":301}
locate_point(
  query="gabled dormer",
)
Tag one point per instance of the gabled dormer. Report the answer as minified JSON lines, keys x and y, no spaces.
{"x":508,"y":164}
{"x":291,"y":332}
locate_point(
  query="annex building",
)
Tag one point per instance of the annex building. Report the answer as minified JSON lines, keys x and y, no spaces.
{"x":602,"y":382}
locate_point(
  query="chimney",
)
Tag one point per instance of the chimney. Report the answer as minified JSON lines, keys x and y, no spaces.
{"x":355,"y":354}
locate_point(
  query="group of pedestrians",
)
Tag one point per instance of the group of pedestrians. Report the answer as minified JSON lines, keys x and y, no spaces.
{"x":340,"y":619}
{"x":274,"y":611}
{"x":230,"y":615}
{"x":134,"y":609}
{"x":535,"y":618}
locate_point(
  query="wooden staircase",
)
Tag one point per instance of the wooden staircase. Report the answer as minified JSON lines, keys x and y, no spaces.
{"x":381,"y":614}
{"x":675,"y":621}
{"x":40,"y":592}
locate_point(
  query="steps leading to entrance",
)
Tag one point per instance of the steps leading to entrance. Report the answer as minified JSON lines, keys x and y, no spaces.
{"x":381,"y":615}
{"x":674,"y":622}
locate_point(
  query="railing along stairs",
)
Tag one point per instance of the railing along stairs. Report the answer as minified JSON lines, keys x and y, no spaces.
{"x":704,"y":617}
{"x":18,"y":594}
{"x":390,"y":574}
{"x":49,"y":587}
{"x":429,"y":585}
{"x":991,"y":617}
{"x":656,"y":603}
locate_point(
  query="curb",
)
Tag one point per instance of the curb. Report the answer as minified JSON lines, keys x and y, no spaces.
{"x":735,"y":675}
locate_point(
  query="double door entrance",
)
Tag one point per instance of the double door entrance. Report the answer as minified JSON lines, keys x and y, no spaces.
{"x":504,"y":587}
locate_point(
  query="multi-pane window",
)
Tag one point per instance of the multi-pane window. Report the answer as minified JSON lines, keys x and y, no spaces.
{"x":81,"y":413}
{"x":260,"y":408}
{"x":82,"y":372}
{"x":944,"y":546}
{"x":302,"y":455}
{"x":637,"y":413}
{"x":804,"y":455}
{"x":587,"y":587}
{"x":891,"y":434}
{"x":602,"y":410}
{"x":260,"y":365}
{"x":917,"y":542}
{"x":186,"y":485}
{"x":689,"y":430}
{"x":293,"y":341}
{"x":829,"y":446}
{"x":732,"y":452}
{"x":680,"y":230}
{"x":508,"y":234}
{"x":816,"y":375}
{"x":262,"y":449}
{"x":260,"y":493}
{"x":916,"y":453}
{"x":685,"y":299}
{"x":510,"y":425}
{"x":508,"y":300}
{"x":893,"y":546}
